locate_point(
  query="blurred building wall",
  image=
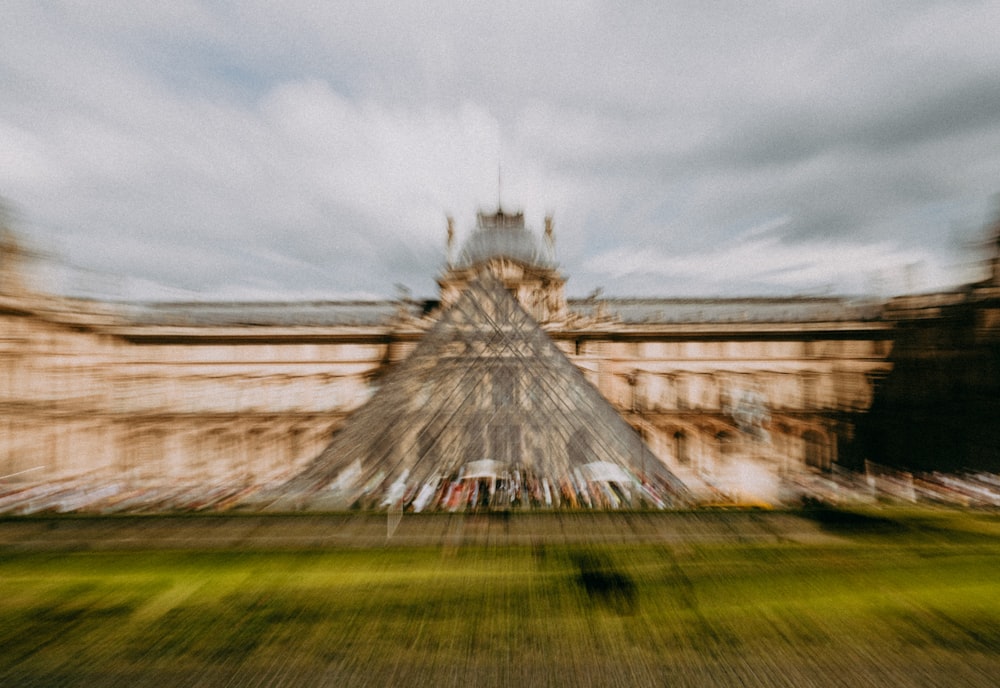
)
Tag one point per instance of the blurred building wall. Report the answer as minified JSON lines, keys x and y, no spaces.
{"x":731,"y":394}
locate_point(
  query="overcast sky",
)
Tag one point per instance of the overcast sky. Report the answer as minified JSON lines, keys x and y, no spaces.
{"x":282,"y":150}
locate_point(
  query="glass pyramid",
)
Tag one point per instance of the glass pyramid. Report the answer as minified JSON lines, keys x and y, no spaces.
{"x":486,"y":412}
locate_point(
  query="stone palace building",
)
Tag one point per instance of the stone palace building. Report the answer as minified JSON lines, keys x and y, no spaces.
{"x":730,"y":395}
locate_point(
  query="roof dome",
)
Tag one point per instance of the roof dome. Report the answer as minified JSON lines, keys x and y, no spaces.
{"x":503,"y":235}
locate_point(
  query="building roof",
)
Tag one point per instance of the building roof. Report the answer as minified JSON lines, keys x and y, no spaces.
{"x":266,"y":314}
{"x":503,"y":235}
{"x":650,"y":311}
{"x":728,"y":310}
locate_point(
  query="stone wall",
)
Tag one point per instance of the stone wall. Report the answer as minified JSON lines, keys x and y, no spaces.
{"x":83,"y":393}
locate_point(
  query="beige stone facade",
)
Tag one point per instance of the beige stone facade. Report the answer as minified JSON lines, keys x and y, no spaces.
{"x":730,"y":394}
{"x":85,"y":394}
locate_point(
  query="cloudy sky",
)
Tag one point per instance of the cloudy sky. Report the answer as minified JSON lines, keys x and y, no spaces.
{"x":272,"y":150}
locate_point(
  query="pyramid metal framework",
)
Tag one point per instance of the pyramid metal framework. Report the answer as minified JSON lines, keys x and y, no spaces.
{"x":488,"y":412}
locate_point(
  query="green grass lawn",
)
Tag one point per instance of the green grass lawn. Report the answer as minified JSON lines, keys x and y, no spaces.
{"x":912,"y":598}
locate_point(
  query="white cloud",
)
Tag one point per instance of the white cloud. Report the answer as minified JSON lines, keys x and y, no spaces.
{"x":773,"y":266}
{"x":183,"y":144}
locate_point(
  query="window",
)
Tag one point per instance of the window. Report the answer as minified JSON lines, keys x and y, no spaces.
{"x":816,"y":453}
{"x":681,"y":448}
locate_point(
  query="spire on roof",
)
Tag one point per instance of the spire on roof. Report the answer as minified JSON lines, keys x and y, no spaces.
{"x":451,"y":241}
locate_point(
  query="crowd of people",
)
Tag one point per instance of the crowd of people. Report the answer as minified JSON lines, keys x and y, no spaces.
{"x":517,"y":491}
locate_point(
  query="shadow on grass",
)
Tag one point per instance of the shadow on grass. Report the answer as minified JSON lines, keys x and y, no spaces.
{"x":845,"y":522}
{"x":604,"y":583}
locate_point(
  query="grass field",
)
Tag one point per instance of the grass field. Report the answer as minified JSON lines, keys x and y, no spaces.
{"x":908,"y":598}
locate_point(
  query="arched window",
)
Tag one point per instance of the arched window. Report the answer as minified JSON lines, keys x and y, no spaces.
{"x":726,"y":443}
{"x":681,"y":392}
{"x":681,"y":448}
{"x":810,"y":390}
{"x":817,"y":455}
